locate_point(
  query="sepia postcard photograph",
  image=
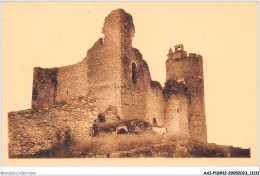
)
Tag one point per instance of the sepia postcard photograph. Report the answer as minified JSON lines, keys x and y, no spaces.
{"x":129,"y":83}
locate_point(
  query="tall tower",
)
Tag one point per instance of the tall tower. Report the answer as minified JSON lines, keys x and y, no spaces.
{"x":104,"y":60}
{"x":188,"y":70}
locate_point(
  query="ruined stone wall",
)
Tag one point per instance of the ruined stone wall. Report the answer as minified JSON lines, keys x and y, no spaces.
{"x":176,"y":115}
{"x":135,"y":87}
{"x":33,"y":130}
{"x":198,"y":129}
{"x":100,"y":70}
{"x":72,"y":81}
{"x":106,"y":72}
{"x":104,"y":78}
{"x":105,"y":63}
{"x":189,"y":71}
{"x":134,"y":83}
{"x":176,"y":109}
{"x":44,"y":87}
{"x":155,"y":104}
{"x":53,"y":85}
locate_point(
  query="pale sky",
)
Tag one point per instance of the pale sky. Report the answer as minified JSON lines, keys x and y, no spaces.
{"x":53,"y":34}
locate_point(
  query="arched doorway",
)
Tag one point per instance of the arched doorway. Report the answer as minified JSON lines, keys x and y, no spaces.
{"x":121,"y":131}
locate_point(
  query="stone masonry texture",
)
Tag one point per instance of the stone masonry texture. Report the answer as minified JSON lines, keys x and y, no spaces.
{"x":113,"y":81}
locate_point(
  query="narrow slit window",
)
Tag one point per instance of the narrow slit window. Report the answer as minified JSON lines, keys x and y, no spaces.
{"x":133,"y":73}
{"x":154,"y":122}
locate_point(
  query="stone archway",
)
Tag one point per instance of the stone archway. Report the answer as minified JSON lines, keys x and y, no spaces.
{"x":121,"y":130}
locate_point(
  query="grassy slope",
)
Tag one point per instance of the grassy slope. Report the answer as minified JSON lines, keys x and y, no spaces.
{"x":145,"y":145}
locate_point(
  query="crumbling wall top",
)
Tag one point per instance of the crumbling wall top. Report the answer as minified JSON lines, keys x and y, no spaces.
{"x":118,"y":19}
{"x":156,"y":84}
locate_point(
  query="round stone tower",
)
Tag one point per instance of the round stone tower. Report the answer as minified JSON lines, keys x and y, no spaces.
{"x":188,"y":70}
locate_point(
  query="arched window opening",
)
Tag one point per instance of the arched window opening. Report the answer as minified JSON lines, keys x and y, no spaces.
{"x":133,"y":73}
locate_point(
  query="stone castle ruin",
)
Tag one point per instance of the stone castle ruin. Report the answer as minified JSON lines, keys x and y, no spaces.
{"x":112,"y":88}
